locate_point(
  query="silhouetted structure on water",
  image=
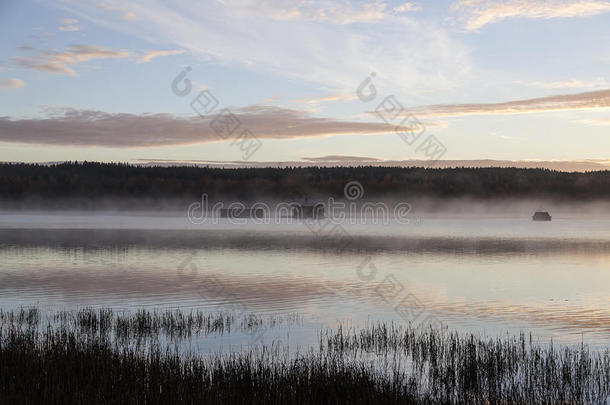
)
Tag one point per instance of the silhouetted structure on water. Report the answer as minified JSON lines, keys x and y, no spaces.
{"x":541,"y":216}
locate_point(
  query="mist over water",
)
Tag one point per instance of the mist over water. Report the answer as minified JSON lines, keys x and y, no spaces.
{"x":473,"y":265}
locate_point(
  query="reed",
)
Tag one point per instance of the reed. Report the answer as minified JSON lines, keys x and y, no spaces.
{"x":174,"y":324}
{"x":454,"y":368}
{"x":86,"y":356}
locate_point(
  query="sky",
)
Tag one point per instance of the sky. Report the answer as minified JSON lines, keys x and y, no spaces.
{"x":305,"y":81}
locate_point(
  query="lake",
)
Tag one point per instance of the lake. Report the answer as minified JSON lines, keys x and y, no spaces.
{"x":488,"y":275}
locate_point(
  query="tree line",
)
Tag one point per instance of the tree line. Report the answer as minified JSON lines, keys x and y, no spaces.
{"x":91,"y":181}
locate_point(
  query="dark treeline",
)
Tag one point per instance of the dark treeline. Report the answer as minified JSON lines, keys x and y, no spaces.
{"x":97,"y":181}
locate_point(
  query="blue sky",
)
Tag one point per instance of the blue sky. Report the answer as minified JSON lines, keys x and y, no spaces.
{"x":93,"y":79}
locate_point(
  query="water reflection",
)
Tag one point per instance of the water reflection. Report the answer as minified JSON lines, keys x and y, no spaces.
{"x":555,"y":285}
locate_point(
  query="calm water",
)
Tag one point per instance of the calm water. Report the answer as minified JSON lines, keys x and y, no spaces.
{"x":492,"y":275}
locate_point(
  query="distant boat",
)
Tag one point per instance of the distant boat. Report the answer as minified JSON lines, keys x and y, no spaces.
{"x":541,"y":216}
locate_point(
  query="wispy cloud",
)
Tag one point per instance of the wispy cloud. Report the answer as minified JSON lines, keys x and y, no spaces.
{"x":200,"y":86}
{"x":407,"y":7}
{"x":111,"y":6}
{"x":341,"y":159}
{"x":97,"y":128}
{"x":54,"y":61}
{"x":318,"y":10}
{"x":596,"y":121}
{"x":508,"y":137}
{"x":572,"y":84}
{"x":320,"y":41}
{"x":130,"y":16}
{"x":369,"y":12}
{"x":332,"y":97}
{"x":155,"y":54}
{"x":13,"y":83}
{"x":268,"y":100}
{"x":68,"y":21}
{"x":579,"y":101}
{"x":478,"y":13}
{"x":69,"y":24}
{"x":69,"y":28}
{"x":104,"y":5}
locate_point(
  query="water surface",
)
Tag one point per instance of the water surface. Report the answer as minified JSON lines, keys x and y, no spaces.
{"x":488,"y":275}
